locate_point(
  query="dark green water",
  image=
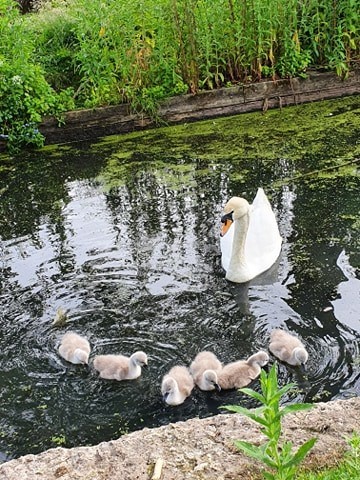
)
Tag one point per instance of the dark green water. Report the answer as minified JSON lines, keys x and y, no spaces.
{"x":124,"y":234}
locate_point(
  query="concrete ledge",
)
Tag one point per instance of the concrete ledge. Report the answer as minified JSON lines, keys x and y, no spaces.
{"x":193,"y":450}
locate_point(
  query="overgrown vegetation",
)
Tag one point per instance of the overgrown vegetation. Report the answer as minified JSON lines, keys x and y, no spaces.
{"x":348,"y":469}
{"x":25,"y":94}
{"x":112,"y":51}
{"x":278,"y":456}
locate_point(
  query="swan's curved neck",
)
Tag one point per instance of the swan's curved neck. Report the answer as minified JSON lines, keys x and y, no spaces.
{"x":299,"y":355}
{"x":80,"y":355}
{"x":252,"y":361}
{"x":237,"y":270}
{"x":175,"y":392}
{"x":134,"y":367}
{"x":241,"y":226}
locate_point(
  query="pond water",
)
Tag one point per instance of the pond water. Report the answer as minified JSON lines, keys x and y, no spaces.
{"x":124,"y":235}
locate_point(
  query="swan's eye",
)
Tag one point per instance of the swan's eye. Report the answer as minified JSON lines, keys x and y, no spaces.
{"x":226,"y":217}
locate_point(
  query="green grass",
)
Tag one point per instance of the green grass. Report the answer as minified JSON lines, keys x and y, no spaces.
{"x":348,"y":468}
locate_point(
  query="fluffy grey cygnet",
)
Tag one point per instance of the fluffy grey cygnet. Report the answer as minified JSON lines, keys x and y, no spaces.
{"x":205,"y":369}
{"x":74,"y":348}
{"x":287,"y":348}
{"x":176,"y":385}
{"x":120,"y":367}
{"x":241,"y":373}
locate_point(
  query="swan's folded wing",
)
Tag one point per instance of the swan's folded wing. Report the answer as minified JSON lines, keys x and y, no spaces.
{"x":263,"y":241}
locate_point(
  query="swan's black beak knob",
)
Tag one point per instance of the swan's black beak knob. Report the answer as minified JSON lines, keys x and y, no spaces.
{"x":226,"y":221}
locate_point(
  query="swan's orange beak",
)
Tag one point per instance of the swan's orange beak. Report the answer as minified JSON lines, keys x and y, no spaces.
{"x":225,"y":226}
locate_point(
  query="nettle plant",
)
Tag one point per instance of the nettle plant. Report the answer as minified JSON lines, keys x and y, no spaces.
{"x":279,"y":456}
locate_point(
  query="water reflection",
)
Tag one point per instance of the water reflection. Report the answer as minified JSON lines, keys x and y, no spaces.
{"x":130,"y":248}
{"x":345,"y":302}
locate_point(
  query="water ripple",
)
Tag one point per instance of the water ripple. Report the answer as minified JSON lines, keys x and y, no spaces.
{"x":137,"y":266}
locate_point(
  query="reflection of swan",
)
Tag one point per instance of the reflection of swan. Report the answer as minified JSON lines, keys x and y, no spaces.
{"x":252,"y":242}
{"x":74,"y":348}
{"x":346,"y":308}
{"x":241,"y":373}
{"x":119,"y":367}
{"x":205,"y":368}
{"x":287,"y":347}
{"x":176,"y":385}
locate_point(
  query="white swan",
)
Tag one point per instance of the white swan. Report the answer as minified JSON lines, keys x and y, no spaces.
{"x":205,"y":369}
{"x":74,"y":348}
{"x":241,"y":373}
{"x":119,"y":367}
{"x":250,"y":240}
{"x":176,"y":385}
{"x":288,"y":348}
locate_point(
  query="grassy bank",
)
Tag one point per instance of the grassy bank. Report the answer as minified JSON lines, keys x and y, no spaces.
{"x":347,"y":469}
{"x":75,"y":53}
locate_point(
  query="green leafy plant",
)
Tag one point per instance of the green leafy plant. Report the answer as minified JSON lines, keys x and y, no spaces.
{"x":89,"y":54}
{"x":25,"y":95}
{"x":148,"y":50}
{"x":58,"y":440}
{"x":279,"y":457}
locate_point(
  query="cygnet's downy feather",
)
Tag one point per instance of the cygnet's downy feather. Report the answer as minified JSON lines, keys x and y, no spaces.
{"x":74,"y":348}
{"x":205,"y":369}
{"x":241,"y":373}
{"x":120,"y":367}
{"x":287,"y":348}
{"x":176,"y":385}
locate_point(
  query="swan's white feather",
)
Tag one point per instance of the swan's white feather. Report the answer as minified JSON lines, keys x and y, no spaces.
{"x":263,"y":240}
{"x":226,"y":245}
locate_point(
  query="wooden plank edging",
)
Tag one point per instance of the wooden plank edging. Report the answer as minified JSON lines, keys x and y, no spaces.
{"x":91,"y":124}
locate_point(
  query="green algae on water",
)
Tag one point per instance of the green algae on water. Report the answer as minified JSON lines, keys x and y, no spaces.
{"x":294,"y":131}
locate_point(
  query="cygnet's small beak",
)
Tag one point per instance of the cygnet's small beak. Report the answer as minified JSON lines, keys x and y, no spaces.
{"x":302,"y":368}
{"x":165,"y":396}
{"x":217,"y":387}
{"x":145,"y":365}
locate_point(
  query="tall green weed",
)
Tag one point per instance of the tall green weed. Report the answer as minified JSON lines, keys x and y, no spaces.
{"x":279,"y":456}
{"x":25,"y":95}
{"x":141,"y":52}
{"x":146,"y":50}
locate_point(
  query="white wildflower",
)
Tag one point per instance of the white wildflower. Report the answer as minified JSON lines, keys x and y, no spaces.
{"x":17,"y":80}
